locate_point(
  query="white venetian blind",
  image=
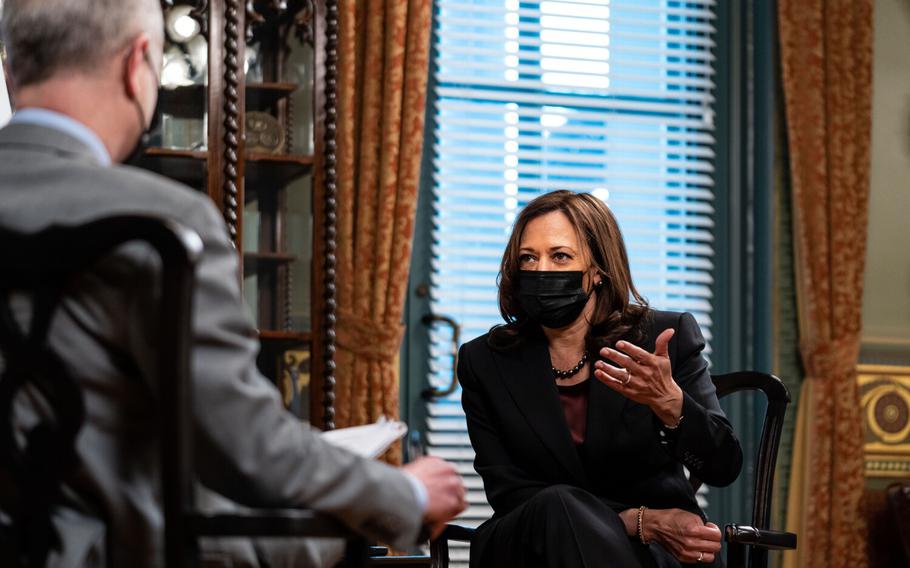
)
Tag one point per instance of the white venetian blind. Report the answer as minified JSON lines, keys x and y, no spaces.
{"x":614,"y":98}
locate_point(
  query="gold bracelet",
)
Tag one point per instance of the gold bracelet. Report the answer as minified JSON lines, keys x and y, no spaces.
{"x":675,"y":426}
{"x":641,"y":514}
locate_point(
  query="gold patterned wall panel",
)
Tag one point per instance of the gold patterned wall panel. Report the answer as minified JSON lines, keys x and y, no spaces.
{"x":885,"y":400}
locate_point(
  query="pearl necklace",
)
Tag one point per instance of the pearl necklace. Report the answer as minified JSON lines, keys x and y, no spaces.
{"x":560,"y":374}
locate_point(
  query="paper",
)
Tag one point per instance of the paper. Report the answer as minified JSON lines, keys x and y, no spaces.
{"x":4,"y":97}
{"x":369,"y":440}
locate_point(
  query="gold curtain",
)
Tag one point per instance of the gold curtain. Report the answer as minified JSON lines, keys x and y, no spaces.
{"x":383,"y":56}
{"x":826,"y":61}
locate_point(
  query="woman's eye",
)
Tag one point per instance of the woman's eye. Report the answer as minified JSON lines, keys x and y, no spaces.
{"x":525,"y":258}
{"x":561,"y":257}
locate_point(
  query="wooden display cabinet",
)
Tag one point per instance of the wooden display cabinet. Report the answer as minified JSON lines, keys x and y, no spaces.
{"x":242,"y":113}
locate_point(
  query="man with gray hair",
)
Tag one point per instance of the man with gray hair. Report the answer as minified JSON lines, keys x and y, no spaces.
{"x":84,"y":80}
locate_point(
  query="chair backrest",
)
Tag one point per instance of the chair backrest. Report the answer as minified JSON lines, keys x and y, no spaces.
{"x":778,"y":397}
{"x":34,"y":464}
{"x":899,"y":508}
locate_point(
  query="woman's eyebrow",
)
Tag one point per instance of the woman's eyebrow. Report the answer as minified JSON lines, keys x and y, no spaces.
{"x":551,"y":249}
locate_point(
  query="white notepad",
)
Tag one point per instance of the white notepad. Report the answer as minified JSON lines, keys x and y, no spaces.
{"x":369,"y":440}
{"x":4,"y":96}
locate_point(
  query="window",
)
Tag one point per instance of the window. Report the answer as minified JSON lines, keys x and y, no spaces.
{"x":614,"y":98}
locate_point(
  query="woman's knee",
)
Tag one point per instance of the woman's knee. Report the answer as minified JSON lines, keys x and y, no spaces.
{"x":564,"y":497}
{"x":576,"y":504}
{"x":556,"y":493}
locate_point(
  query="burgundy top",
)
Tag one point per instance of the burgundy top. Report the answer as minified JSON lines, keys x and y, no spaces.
{"x":574,"y":401}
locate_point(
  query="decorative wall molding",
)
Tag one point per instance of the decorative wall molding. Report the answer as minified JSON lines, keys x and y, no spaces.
{"x":885,"y":400}
{"x":884,"y":351}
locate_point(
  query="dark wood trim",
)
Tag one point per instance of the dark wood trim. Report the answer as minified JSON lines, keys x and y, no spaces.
{"x":317,"y":268}
{"x":234,"y":103}
{"x":331,"y":215}
{"x":325,"y":212}
{"x":214,"y":169}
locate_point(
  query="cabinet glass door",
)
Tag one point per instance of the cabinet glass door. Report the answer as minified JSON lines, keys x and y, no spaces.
{"x":277,"y":220}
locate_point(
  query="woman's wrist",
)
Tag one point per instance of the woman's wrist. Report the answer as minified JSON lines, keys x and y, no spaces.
{"x":646,"y":526}
{"x":641,"y":523}
{"x":669,"y":409}
{"x":629,"y":519}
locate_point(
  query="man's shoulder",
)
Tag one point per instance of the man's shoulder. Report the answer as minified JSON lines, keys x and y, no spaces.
{"x":76,"y":191}
{"x":139,"y":191}
{"x":143,"y":186}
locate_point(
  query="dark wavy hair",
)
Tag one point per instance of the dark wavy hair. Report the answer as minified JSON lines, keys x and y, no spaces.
{"x":620,"y":311}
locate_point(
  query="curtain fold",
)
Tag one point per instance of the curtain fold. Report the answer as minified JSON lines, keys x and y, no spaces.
{"x":826,"y":62}
{"x":383,"y":66}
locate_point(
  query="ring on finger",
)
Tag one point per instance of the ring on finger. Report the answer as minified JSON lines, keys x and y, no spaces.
{"x":701,"y":555}
{"x":628,"y":377}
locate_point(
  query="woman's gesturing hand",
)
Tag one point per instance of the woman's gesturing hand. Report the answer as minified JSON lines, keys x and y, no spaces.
{"x":682,"y":533}
{"x":643,"y":377}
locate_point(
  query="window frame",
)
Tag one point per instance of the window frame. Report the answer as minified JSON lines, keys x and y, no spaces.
{"x":744,"y":217}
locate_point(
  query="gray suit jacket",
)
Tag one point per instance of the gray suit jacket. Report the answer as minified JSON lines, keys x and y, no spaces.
{"x":248,"y":447}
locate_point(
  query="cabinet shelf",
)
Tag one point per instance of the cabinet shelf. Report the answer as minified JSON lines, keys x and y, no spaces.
{"x":189,"y":101}
{"x":262,"y":170}
{"x":268,"y":171}
{"x":187,"y":166}
{"x":265,"y":95}
{"x":254,"y":261}
{"x":285,"y":337}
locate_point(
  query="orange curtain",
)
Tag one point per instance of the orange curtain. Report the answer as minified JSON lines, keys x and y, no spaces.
{"x":383,"y":66}
{"x":826,"y":60}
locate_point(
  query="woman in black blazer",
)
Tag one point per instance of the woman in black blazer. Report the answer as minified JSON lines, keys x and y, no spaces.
{"x":586,"y":405}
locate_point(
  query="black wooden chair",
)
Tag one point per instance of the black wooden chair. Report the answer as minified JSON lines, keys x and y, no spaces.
{"x":747,"y":545}
{"x":32,"y":473}
{"x":898,"y":499}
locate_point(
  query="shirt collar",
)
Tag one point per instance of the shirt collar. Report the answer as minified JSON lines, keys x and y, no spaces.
{"x":67,"y":125}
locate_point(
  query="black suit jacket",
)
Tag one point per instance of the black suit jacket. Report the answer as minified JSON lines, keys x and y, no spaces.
{"x":522,"y":442}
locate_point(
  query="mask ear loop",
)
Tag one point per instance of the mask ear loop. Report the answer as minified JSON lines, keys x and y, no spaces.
{"x":147,"y":125}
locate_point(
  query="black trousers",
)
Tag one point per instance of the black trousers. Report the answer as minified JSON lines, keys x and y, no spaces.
{"x":565,"y":527}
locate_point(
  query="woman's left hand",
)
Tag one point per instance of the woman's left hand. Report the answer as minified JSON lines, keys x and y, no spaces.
{"x":644,"y":377}
{"x":682,"y":534}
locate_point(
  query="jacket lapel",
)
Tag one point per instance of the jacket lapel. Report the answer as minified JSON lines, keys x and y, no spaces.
{"x":605,"y":406}
{"x":527,"y":375}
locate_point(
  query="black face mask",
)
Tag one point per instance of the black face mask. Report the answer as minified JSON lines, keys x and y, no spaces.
{"x":552,"y":298}
{"x":150,"y":137}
